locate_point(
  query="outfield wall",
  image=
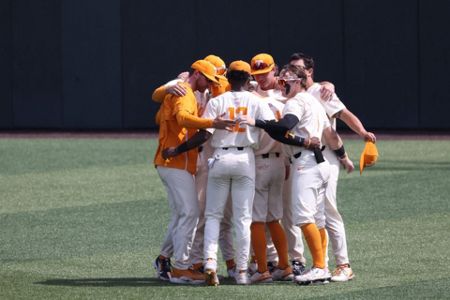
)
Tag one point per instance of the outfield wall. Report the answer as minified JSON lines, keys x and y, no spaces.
{"x":92,"y":64}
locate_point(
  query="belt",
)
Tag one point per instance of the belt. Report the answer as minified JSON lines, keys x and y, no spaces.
{"x":200,"y":149}
{"x":267,"y":155}
{"x":239,"y":148}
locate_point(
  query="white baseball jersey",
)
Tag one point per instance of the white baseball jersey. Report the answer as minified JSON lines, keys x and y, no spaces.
{"x":274,"y":94}
{"x":266,"y":143}
{"x":231,"y":105}
{"x":331,"y":107}
{"x":312,"y":118}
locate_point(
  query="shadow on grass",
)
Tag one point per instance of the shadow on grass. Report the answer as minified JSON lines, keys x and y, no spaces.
{"x":115,"y":282}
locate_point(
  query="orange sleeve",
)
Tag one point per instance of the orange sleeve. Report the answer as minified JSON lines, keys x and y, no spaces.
{"x":159,"y":94}
{"x":188,"y":120}
{"x":185,"y":111}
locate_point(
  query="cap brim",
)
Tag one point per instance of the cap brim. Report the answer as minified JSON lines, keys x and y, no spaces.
{"x":263,"y":71}
{"x":361,"y":162}
{"x":212,"y":78}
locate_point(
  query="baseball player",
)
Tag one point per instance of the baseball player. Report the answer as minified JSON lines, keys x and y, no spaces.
{"x":305,"y":119}
{"x":205,"y":151}
{"x":334,"y":223}
{"x":269,"y":181}
{"x":178,"y":121}
{"x":231,"y":168}
{"x":264,"y":70}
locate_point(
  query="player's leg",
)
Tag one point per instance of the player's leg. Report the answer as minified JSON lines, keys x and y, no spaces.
{"x":259,"y":216}
{"x":282,"y":271}
{"x":242,"y":195}
{"x":335,"y":224}
{"x":217,"y":191}
{"x":305,"y":193}
{"x":201,"y":180}
{"x":185,"y":207}
{"x":162,"y":263}
{"x":293,"y":232}
{"x":226,"y":238}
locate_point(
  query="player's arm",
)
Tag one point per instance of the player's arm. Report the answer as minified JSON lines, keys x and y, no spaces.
{"x":186,"y":119}
{"x":196,"y":140}
{"x":335,"y":142}
{"x":355,"y":124}
{"x":172,"y":87}
{"x":279,"y":130}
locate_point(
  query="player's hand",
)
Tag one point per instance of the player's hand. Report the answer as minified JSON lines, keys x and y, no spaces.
{"x":246,"y":120}
{"x":312,"y":143}
{"x":176,"y":90}
{"x":347,"y":164}
{"x":369,"y":136}
{"x":326,"y":91}
{"x":183,"y":76}
{"x":169,"y":152}
{"x":220,"y":123}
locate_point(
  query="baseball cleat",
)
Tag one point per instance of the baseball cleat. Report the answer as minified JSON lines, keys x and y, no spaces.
{"x":283,"y":275}
{"x":342,"y":273}
{"x":163,"y":268}
{"x":188,"y":276}
{"x":211,"y":278}
{"x":313,"y":276}
{"x":265,"y":277}
{"x":298,"y":268}
{"x":231,"y":272}
{"x":271,"y":266}
{"x":241,"y":277}
{"x":252,"y":268}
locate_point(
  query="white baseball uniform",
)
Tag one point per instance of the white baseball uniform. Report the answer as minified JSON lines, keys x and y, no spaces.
{"x":334,"y":223}
{"x":270,"y":173}
{"x":232,"y":168}
{"x":293,"y":232}
{"x":201,"y":176}
{"x":309,"y":179}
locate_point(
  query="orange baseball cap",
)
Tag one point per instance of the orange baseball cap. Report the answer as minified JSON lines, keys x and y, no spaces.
{"x":262,"y":63}
{"x":206,"y":68}
{"x":369,"y":156}
{"x":217,"y":62}
{"x":240,"y":65}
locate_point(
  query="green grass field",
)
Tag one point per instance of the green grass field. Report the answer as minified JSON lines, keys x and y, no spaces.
{"x":84,"y":218}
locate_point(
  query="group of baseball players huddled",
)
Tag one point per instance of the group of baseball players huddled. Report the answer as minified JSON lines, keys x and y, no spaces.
{"x":253,"y":149}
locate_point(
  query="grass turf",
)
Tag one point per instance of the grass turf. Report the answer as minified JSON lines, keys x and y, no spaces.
{"x":84,"y":218}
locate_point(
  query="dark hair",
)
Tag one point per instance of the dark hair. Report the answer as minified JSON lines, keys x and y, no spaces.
{"x":297,"y":70}
{"x":308,"y":60}
{"x":237,"y":77}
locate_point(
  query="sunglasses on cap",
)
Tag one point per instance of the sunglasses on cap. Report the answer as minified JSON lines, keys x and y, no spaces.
{"x":260,"y":65}
{"x":220,"y":70}
{"x":284,"y":81}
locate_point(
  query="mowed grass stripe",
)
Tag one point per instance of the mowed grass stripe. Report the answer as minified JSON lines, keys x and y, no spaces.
{"x":75,"y":187}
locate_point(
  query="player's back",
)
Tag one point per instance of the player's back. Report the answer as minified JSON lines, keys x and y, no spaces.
{"x":232,"y":105}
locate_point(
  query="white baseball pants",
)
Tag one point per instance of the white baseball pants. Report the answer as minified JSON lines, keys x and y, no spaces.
{"x":334,"y":222}
{"x":183,"y":203}
{"x":232,"y":170}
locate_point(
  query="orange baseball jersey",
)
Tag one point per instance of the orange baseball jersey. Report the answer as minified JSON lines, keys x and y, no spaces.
{"x":178,"y":120}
